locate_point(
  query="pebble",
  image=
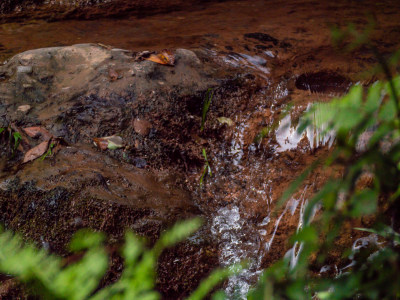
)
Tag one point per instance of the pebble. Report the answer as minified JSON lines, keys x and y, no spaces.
{"x":142,"y":127}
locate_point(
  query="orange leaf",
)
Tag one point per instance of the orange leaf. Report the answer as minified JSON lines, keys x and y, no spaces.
{"x":101,"y":143}
{"x":36,"y":152}
{"x":163,"y":58}
{"x":113,"y":74}
{"x":109,"y":142}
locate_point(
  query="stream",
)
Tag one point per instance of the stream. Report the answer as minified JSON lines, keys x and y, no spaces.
{"x":283,"y":54}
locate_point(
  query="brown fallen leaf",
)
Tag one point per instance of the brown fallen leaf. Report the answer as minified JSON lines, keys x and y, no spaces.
{"x":113,"y":74}
{"x":109,"y":142}
{"x":36,"y":152}
{"x":24,"y":108}
{"x":163,"y":58}
{"x":35,"y":132}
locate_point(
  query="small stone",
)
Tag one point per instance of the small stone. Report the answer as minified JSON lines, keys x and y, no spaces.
{"x":142,"y":127}
{"x":139,"y":162}
{"x":24,"y":108}
{"x":24,"y":69}
{"x":187,"y":57}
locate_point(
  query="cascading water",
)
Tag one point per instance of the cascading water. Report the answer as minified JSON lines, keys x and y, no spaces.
{"x":249,"y":181}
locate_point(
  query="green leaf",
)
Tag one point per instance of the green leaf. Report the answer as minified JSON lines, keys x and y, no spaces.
{"x":216,"y":277}
{"x":307,"y":234}
{"x":132,"y":249}
{"x":224,"y":120}
{"x":374,"y":97}
{"x":206,"y":106}
{"x":178,"y":232}
{"x":388,"y":111}
{"x":85,"y":239}
{"x":386,"y":232}
{"x":206,"y":169}
{"x":379,"y":134}
{"x":17,"y":139}
{"x":364,"y":203}
{"x":89,"y":270}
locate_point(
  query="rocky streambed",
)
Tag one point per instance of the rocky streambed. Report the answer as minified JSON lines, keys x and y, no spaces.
{"x":112,"y":140}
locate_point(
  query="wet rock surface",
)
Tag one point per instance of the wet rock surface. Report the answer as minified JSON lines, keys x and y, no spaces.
{"x":71,"y":97}
{"x":87,"y":9}
{"x":149,"y":178}
{"x":264,"y":72}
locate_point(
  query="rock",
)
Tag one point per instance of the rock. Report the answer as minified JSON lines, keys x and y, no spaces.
{"x":141,"y":127}
{"x":63,"y":75}
{"x":187,"y":57}
{"x":70,"y":91}
{"x":71,"y":95}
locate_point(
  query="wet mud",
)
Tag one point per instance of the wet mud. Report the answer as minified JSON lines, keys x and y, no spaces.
{"x":264,"y":71}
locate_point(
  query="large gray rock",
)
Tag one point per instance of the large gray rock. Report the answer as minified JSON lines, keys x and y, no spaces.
{"x":89,"y":91}
{"x":53,"y":78}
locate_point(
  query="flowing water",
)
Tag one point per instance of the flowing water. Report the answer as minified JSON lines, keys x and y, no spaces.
{"x":248,"y":177}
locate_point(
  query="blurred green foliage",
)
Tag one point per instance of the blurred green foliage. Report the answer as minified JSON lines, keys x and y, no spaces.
{"x":367,"y":131}
{"x":367,"y":127}
{"x":45,"y":274}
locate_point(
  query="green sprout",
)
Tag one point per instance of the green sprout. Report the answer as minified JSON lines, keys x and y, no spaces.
{"x":17,"y":140}
{"x":207,"y":168}
{"x":2,"y":129}
{"x":206,"y":106}
{"x":266,"y":130}
{"x":49,"y":152}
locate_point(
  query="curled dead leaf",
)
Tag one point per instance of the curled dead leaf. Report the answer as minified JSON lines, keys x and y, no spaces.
{"x":164,"y":58}
{"x":24,"y":108}
{"x":36,"y":132}
{"x":224,"y":120}
{"x":113,"y":74}
{"x":109,"y":142}
{"x":36,"y":152}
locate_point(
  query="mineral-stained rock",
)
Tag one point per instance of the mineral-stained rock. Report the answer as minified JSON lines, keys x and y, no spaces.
{"x":69,"y":92}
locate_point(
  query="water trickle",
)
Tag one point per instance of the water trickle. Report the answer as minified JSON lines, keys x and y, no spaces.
{"x":288,"y":137}
{"x":256,"y":63}
{"x":236,"y":246}
{"x":236,"y":149}
{"x":293,"y":253}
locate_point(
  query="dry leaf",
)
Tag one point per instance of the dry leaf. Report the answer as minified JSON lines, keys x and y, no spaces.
{"x":36,"y":152}
{"x":24,"y":108}
{"x":35,"y":132}
{"x":163,"y":58}
{"x":113,"y":74}
{"x":224,"y":120}
{"x":109,"y":142}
